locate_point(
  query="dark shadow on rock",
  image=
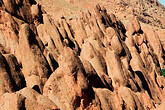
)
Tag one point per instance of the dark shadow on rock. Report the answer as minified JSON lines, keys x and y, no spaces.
{"x":36,"y":88}
{"x":144,"y":82}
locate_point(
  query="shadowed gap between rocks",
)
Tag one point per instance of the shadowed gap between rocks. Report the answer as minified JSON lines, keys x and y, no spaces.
{"x":15,"y":87}
{"x":144,"y":82}
{"x":36,"y":88}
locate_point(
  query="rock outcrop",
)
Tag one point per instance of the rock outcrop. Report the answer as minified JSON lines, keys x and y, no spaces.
{"x":95,"y":61}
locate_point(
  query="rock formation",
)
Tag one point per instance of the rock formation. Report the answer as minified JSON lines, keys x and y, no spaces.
{"x":95,"y":61}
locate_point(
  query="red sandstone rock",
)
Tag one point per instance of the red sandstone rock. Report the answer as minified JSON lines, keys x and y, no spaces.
{"x":39,"y":65}
{"x":94,"y":60}
{"x":12,"y":101}
{"x":5,"y":83}
{"x":34,"y":99}
{"x":16,"y":75}
{"x":68,"y":74}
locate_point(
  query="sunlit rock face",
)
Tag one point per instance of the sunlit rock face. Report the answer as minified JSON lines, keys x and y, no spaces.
{"x":96,"y":59}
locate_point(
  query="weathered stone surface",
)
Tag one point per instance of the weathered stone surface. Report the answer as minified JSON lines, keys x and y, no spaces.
{"x":136,"y":24}
{"x":39,"y":65}
{"x":96,"y":60}
{"x":53,"y":32}
{"x":10,"y":28}
{"x":68,"y":74}
{"x":34,"y":99}
{"x":155,"y":43}
{"x":16,"y":75}
{"x":91,"y":55}
{"x":116,"y":45}
{"x":10,"y":6}
{"x":35,"y":11}
{"x":129,"y":26}
{"x":115,"y":69}
{"x":130,"y":99}
{"x":5,"y":82}
{"x":12,"y":101}
{"x":108,"y":100}
{"x":42,"y":33}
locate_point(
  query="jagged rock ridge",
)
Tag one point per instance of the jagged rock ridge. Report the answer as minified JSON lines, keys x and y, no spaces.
{"x":93,"y":62}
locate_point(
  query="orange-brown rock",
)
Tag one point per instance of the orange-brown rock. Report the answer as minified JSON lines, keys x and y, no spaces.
{"x":34,"y":100}
{"x":73,"y":72}
{"x":16,"y":75}
{"x":130,"y":99}
{"x":105,"y":57}
{"x":12,"y":101}
{"x":52,"y":31}
{"x":39,"y":65}
{"x":108,"y":100}
{"x":5,"y":83}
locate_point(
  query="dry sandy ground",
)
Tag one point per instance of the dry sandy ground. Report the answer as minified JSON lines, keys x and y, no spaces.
{"x":58,"y":8}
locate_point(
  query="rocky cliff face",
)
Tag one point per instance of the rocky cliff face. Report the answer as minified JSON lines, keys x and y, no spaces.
{"x":95,"y":60}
